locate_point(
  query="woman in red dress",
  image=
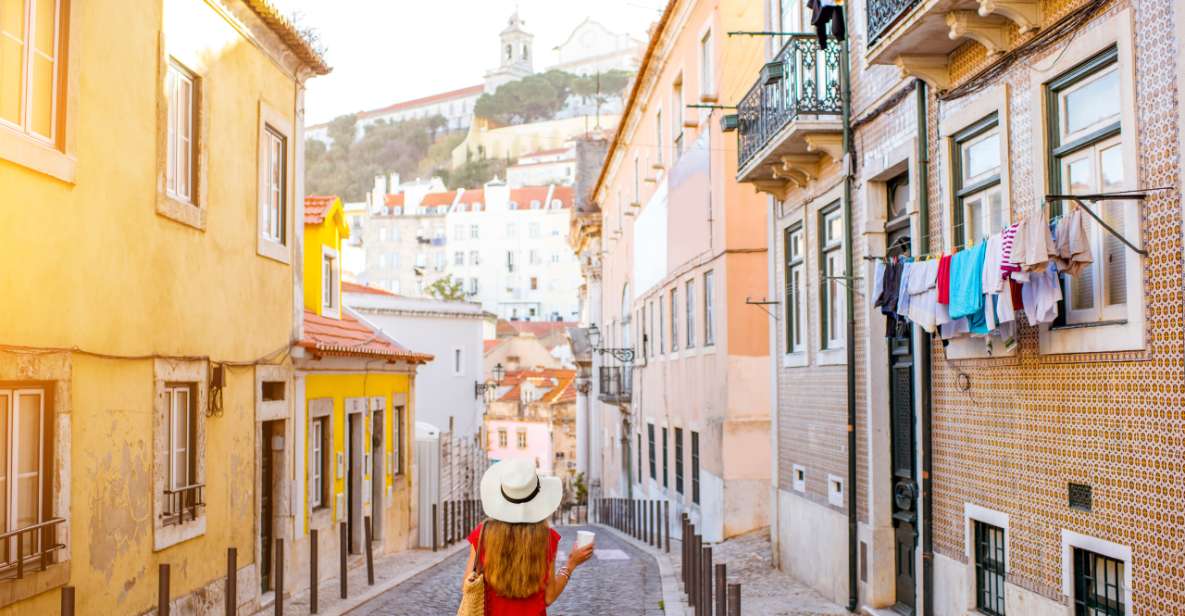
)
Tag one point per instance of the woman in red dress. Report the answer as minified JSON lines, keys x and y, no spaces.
{"x":517,"y":546}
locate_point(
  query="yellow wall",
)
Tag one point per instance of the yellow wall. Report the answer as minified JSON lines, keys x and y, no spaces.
{"x":368,"y":385}
{"x":329,"y":233}
{"x":91,"y":264}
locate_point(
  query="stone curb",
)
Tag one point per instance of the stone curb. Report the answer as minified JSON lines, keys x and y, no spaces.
{"x":673,"y":601}
{"x":375,"y":591}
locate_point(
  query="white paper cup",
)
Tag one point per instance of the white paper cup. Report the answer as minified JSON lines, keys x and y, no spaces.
{"x":584,"y":537}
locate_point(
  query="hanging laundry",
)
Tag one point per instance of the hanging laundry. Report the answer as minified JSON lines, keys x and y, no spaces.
{"x":824,"y":13}
{"x":1034,"y":243}
{"x":993,"y":260}
{"x":1041,"y":294}
{"x":954,"y":328}
{"x":966,"y":281}
{"x":1007,"y":239}
{"x":1073,"y":243}
{"x":878,"y":281}
{"x":944,"y":280}
{"x":887,"y":299}
{"x":923,"y":294}
{"x":903,"y":291}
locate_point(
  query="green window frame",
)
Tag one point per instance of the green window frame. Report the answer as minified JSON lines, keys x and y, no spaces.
{"x":979,"y":189}
{"x":793,"y":242}
{"x":679,"y":460}
{"x":831,"y":272}
{"x":695,"y":467}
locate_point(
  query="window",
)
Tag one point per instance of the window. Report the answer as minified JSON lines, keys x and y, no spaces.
{"x":658,"y":135}
{"x":533,"y":257}
{"x":989,"y":569}
{"x":458,"y":367}
{"x":328,"y":281}
{"x":382,"y":234}
{"x":709,"y":324}
{"x":275,"y":179}
{"x":555,"y":258}
{"x":707,"y":88}
{"x":831,"y":271}
{"x":533,"y":230}
{"x":473,"y":286}
{"x":181,"y":436}
{"x":795,"y":304}
{"x":181,"y":142}
{"x":30,"y":79}
{"x":398,"y":431}
{"x":24,"y":476}
{"x":661,"y":327}
{"x":637,"y":180}
{"x":695,"y":467}
{"x":679,"y":460}
{"x":653,"y":451}
{"x":674,"y":320}
{"x":521,"y":435}
{"x":666,"y":458}
{"x":1099,"y":584}
{"x":474,"y":232}
{"x":1087,"y":157}
{"x":979,"y":195}
{"x":639,"y":457}
{"x":677,"y":117}
{"x":653,"y":332}
{"x":510,"y":261}
{"x":440,"y":260}
{"x":458,"y":232}
{"x":690,"y":313}
{"x":645,"y":346}
{"x":319,"y":459}
{"x":511,"y":229}
{"x":459,"y":258}
{"x":502,"y":439}
{"x":534,"y":283}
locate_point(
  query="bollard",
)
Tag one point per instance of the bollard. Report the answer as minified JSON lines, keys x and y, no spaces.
{"x":654,"y":538}
{"x":706,"y":586}
{"x":344,"y":546}
{"x":67,"y":601}
{"x":648,"y":522}
{"x":721,"y":589}
{"x":734,"y":600}
{"x":232,"y":581}
{"x":162,"y":590}
{"x":683,"y":550}
{"x":434,"y":529}
{"x":666,"y":524}
{"x":312,"y":571}
{"x":369,"y":551}
{"x":279,"y":566}
{"x":697,"y":559}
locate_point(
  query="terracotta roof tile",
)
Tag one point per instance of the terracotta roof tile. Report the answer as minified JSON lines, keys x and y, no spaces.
{"x":439,"y":198}
{"x":353,"y":287}
{"x":476,"y":195}
{"x":315,"y":208}
{"x":287,"y":32}
{"x":490,"y":345}
{"x":351,"y":337}
{"x":393,"y":200}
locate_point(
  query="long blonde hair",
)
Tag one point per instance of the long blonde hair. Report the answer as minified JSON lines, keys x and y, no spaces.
{"x":515,"y":557}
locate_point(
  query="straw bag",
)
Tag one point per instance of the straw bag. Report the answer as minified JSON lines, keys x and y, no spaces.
{"x":473,"y":595}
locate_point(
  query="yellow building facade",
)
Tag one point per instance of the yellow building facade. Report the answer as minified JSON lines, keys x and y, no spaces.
{"x":355,"y":401}
{"x":148,"y":184}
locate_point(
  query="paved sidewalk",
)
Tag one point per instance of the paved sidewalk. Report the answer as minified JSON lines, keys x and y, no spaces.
{"x":389,"y":571}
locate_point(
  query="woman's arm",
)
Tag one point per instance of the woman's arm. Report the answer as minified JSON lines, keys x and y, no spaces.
{"x":559,"y":580}
{"x":468,"y":567}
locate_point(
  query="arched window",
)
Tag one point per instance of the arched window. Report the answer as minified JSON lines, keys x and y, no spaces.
{"x":525,"y":51}
{"x":509,"y":51}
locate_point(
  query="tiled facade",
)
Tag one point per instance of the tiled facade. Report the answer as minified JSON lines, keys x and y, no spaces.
{"x":1010,"y":432}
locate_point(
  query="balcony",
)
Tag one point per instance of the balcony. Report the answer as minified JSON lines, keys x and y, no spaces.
{"x":616,"y":384}
{"x":789,"y":121}
{"x":30,"y":549}
{"x":918,"y":36}
{"x":183,"y":503}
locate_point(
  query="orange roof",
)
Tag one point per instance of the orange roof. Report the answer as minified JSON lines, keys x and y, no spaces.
{"x":395,"y":199}
{"x":476,"y":195}
{"x":490,"y":345}
{"x":315,"y":208}
{"x":425,"y":100}
{"x":564,"y":194}
{"x":287,"y":32}
{"x":350,"y":337}
{"x":523,"y":196}
{"x":353,"y":287}
{"x":546,"y":152}
{"x":439,"y":198}
{"x":563,"y":377}
{"x":540,"y":329}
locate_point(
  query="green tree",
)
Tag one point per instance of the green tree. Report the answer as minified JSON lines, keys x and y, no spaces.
{"x":447,"y":288}
{"x":348,"y":165}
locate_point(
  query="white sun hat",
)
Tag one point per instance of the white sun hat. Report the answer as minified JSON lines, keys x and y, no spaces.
{"x":512,"y":491}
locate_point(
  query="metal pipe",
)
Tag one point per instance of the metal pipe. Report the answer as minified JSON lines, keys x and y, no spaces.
{"x":850,"y":296}
{"x":232,"y":581}
{"x":923,"y":359}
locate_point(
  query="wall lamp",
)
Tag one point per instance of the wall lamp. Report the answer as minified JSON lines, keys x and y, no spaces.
{"x":594,"y":340}
{"x":480,"y":389}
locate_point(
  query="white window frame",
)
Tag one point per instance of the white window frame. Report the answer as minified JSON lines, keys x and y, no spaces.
{"x":1123,"y":553}
{"x":707,"y":66}
{"x":12,"y":477}
{"x":1116,"y":31}
{"x":330,"y":306}
{"x":31,"y":54}
{"x":503,"y":438}
{"x":835,"y":491}
{"x":798,"y":478}
{"x":275,"y":218}
{"x":182,"y":110}
{"x":973,"y":513}
{"x":709,"y":308}
{"x":317,"y":430}
{"x":184,"y":415}
{"x":677,"y":112}
{"x":520,"y":438}
{"x":689,"y":306}
{"x":831,"y":264}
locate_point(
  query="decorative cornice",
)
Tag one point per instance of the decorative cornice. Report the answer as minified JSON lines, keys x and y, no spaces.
{"x":1026,"y":14}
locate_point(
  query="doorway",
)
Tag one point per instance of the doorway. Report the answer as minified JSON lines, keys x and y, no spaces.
{"x":271,"y":474}
{"x":377,"y":469}
{"x":902,"y":429}
{"x":354,"y":452}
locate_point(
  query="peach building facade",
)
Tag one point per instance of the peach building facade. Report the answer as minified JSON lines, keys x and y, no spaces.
{"x":687,"y":420}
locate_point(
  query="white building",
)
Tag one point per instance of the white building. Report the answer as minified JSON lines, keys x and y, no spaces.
{"x":452,"y":333}
{"x":542,"y":167}
{"x":510,"y":247}
{"x":516,"y":56}
{"x":592,"y":48}
{"x":456,"y":106}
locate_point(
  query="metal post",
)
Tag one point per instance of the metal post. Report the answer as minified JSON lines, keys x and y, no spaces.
{"x":369,"y":551}
{"x":162,"y":590}
{"x":655,"y":540}
{"x":695,"y":571}
{"x":434,"y":529}
{"x":734,"y":600}
{"x":232,"y":581}
{"x":721,"y":589}
{"x":313,"y":582}
{"x":344,"y":546}
{"x":683,"y":550}
{"x":20,"y":551}
{"x":706,"y":586}
{"x":279,"y":566}
{"x":67,"y":601}
{"x":666,"y":524}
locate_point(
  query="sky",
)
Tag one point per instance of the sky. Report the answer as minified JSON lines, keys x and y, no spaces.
{"x":386,"y":51}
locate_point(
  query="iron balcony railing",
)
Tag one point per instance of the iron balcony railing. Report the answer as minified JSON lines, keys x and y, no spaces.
{"x":33,"y":545}
{"x":801,"y":79}
{"x":182,"y":503}
{"x":616,"y":383}
{"x":885,"y":13}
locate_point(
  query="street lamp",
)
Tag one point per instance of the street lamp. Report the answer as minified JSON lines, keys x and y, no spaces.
{"x":479,"y":389}
{"x":594,"y":340}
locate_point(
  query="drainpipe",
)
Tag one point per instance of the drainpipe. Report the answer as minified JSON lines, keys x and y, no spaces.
{"x":922,"y":357}
{"x":850,"y":341}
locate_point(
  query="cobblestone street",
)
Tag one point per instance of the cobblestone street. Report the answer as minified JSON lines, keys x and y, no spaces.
{"x":620,"y":580}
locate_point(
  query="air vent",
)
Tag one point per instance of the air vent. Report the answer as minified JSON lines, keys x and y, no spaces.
{"x":1080,"y":497}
